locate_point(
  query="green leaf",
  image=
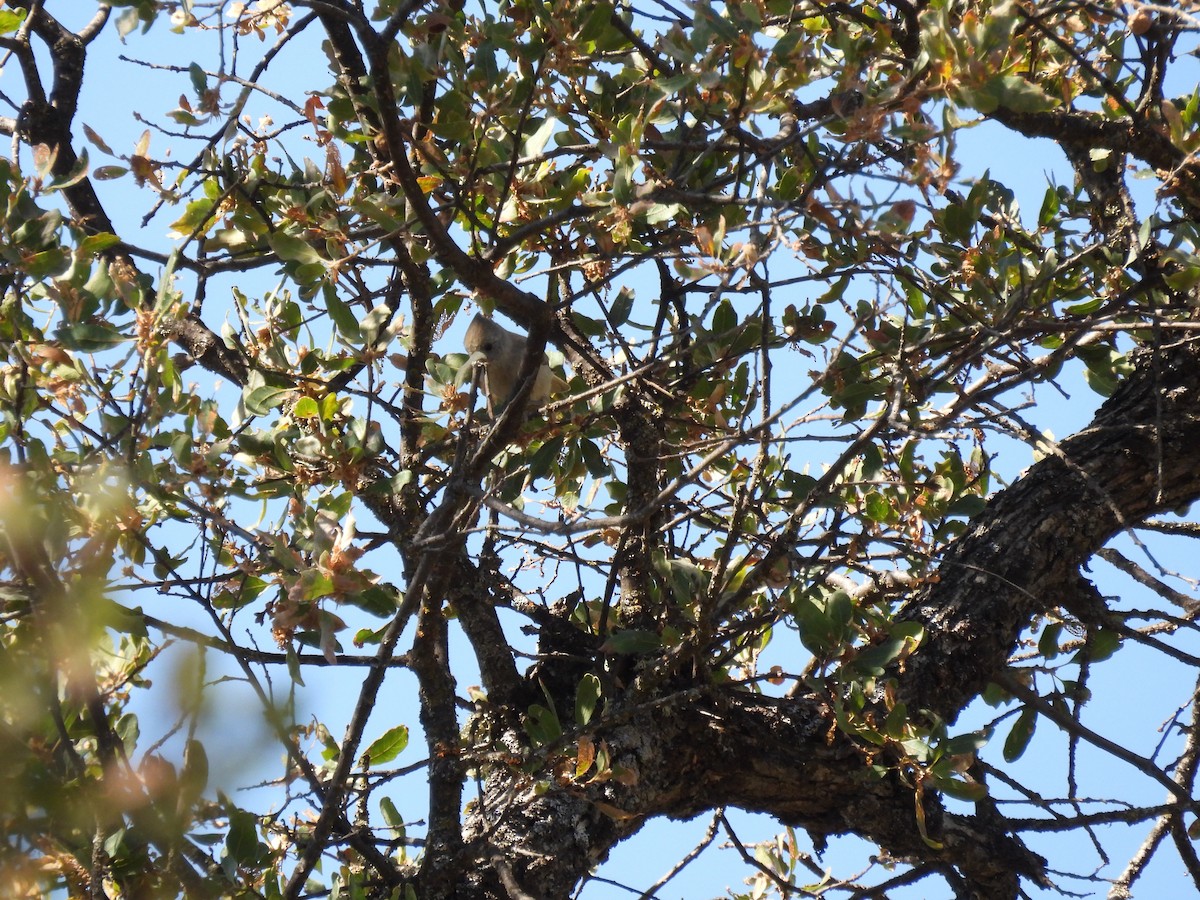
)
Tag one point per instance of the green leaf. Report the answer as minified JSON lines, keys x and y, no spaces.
{"x":10,"y":21}
{"x":1183,"y":279}
{"x":673,"y":84}
{"x":823,"y":617}
{"x":545,"y":458}
{"x":971,"y":791}
{"x":725,"y":318}
{"x":1050,"y":207}
{"x":536,"y":142}
{"x":292,"y":249}
{"x":343,"y":317}
{"x":365,"y":636}
{"x":967,"y":506}
{"x":261,"y":400}
{"x":387,"y":746}
{"x":597,"y":22}
{"x":128,"y":731}
{"x":542,"y":725}
{"x":1048,"y":642}
{"x":897,"y":718}
{"x":1099,"y":382}
{"x":198,"y":78}
{"x":97,"y":243}
{"x":121,"y":618}
{"x":903,"y":639}
{"x":194,"y":777}
{"x":248,"y":591}
{"x":379,"y":215}
{"x":958,"y":221}
{"x":374,"y":321}
{"x":877,"y":508}
{"x":391,"y":817}
{"x":621,"y":307}
{"x":306,"y":408}
{"x":1020,"y":95}
{"x":197,"y":215}
{"x":632,"y":641}
{"x":241,"y":842}
{"x":293,"y":666}
{"x":994,"y":695}
{"x":49,"y":262}
{"x":661,"y":212}
{"x":593,"y":459}
{"x":587,"y":696}
{"x":90,"y":338}
{"x":797,"y":485}
{"x":708,"y":18}
{"x":966,"y":743}
{"x":184,"y":117}
{"x":1020,"y":734}
{"x":1100,"y":646}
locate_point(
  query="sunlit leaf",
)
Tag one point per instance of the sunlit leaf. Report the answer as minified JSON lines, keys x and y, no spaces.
{"x":387,"y":746}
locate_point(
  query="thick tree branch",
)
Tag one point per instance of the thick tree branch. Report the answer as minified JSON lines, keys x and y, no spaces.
{"x":784,"y":758}
{"x":1023,"y":553}
{"x":1122,"y":136}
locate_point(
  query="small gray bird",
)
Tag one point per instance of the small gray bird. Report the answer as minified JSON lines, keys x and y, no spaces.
{"x":501,"y":351}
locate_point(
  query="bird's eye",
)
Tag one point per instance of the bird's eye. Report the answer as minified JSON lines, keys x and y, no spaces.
{"x":487,"y":348}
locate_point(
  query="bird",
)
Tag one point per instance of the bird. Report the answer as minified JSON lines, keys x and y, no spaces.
{"x":501,"y":351}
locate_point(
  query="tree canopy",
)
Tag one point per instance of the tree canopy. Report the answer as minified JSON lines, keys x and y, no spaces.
{"x":795,"y":534}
